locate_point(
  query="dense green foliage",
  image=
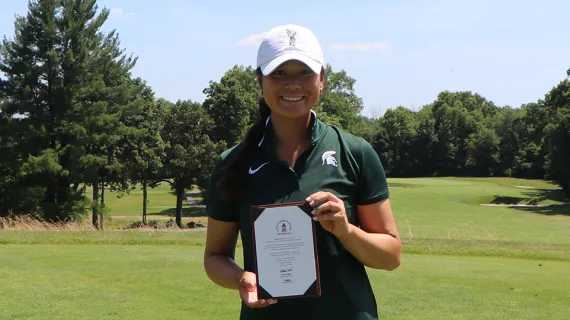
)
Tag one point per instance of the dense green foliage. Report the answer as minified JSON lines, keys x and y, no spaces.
{"x":72,"y":116}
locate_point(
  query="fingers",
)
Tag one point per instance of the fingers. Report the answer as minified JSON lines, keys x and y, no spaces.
{"x":249,"y":287}
{"x":325,"y":205}
{"x":248,"y":282}
{"x":330,"y":211}
{"x":252,"y":302}
{"x":321,"y":197}
{"x":261,"y":303}
{"x":248,"y":293}
{"x":326,"y":211}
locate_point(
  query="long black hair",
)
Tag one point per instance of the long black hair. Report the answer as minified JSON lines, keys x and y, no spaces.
{"x":232,"y":180}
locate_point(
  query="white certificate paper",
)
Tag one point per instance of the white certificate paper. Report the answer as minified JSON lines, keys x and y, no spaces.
{"x":285,"y":251}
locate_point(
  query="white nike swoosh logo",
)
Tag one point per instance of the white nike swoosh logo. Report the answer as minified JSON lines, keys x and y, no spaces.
{"x":252,"y":171}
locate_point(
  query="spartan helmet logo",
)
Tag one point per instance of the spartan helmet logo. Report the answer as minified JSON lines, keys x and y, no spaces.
{"x":328,"y":158}
{"x":291,"y":35}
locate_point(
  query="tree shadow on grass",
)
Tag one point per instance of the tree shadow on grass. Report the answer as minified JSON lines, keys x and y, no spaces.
{"x":551,"y":210}
{"x":535,"y":197}
{"x":187,"y":212}
{"x":188,"y":194}
{"x":532,"y":197}
{"x":547,"y":194}
{"x":509,"y":200}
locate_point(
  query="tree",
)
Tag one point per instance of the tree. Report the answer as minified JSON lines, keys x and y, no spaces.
{"x":483,"y":152}
{"x":509,"y":128}
{"x":69,"y":83}
{"x":144,"y":149}
{"x":338,"y":103}
{"x":529,"y":159}
{"x":452,"y":126}
{"x":190,"y":153}
{"x":232,"y":104}
{"x":12,"y":199}
{"x":396,"y":135}
{"x":456,"y":116}
{"x":366,"y":128}
{"x":557,"y":135}
{"x":425,"y":143}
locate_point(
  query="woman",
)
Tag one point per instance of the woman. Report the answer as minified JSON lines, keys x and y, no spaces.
{"x":289,"y":155}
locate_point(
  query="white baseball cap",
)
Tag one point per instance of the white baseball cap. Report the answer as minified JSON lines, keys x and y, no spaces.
{"x":289,"y":42}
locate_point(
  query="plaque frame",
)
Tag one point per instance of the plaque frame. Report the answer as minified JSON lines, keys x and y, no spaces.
{"x":315,"y":289}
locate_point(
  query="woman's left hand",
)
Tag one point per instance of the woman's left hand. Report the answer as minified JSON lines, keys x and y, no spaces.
{"x":329,"y":210}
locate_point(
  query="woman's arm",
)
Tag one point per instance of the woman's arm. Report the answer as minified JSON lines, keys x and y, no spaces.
{"x":376,"y":243}
{"x":220,"y":266}
{"x":219,"y":254}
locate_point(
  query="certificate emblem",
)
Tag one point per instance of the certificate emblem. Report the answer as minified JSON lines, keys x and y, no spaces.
{"x":283,"y":227}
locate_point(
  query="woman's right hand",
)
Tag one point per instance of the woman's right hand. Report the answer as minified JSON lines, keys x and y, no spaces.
{"x":248,"y":291}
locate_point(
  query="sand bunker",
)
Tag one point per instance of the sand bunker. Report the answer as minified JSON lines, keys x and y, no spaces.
{"x":525,"y":187}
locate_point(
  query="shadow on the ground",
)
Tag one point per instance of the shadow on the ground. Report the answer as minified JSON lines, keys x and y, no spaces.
{"x":512,"y":200}
{"x":532,"y":197}
{"x":193,"y":193}
{"x":551,"y":210}
{"x":186,"y":212}
{"x":547,"y":194}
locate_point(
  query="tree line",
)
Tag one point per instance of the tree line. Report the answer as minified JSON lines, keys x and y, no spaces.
{"x":73,"y":118}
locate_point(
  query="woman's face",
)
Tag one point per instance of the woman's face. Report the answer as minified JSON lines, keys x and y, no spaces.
{"x":292,"y":89}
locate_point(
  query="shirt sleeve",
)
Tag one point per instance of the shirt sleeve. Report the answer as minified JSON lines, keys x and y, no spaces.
{"x":216,"y":208}
{"x":372,"y":183}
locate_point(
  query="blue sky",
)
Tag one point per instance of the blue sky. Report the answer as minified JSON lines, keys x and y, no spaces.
{"x":400,"y":52}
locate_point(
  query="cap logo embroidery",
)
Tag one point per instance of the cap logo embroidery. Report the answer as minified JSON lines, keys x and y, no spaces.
{"x":291,"y":35}
{"x":329,"y":159}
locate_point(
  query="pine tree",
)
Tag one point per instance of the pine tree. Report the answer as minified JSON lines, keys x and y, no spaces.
{"x":69,"y":82}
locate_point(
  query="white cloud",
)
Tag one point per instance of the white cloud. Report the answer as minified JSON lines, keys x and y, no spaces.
{"x":252,"y":39}
{"x":119,"y":14}
{"x":367,"y":46}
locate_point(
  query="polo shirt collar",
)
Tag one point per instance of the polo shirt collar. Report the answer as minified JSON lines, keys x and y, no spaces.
{"x":317,"y":131}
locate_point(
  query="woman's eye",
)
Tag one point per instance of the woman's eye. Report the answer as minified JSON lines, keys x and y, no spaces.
{"x":281,"y":73}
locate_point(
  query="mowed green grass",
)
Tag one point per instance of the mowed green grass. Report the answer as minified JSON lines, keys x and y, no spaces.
{"x":461,"y":261}
{"x":441,"y":208}
{"x":100,"y":282}
{"x":161,"y":201}
{"x":125,"y":208}
{"x":450,"y":208}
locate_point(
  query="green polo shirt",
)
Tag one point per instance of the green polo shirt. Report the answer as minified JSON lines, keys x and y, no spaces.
{"x":337,"y":162}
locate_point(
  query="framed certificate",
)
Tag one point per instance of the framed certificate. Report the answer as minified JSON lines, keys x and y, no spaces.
{"x":285,"y":251}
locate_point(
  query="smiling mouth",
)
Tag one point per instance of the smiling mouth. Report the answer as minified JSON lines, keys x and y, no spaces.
{"x":294,"y":99}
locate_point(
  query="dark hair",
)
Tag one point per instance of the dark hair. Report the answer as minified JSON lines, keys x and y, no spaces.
{"x":233,"y":178}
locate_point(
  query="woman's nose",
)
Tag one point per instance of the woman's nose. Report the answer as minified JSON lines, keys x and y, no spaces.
{"x":293,"y":83}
